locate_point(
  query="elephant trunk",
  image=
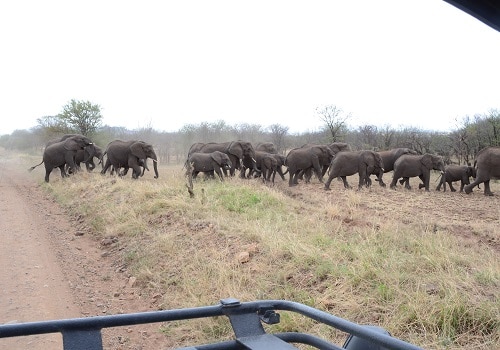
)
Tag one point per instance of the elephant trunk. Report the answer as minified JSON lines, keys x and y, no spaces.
{"x":155,"y":167}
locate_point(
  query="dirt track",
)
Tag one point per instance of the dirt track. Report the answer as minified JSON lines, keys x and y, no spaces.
{"x":52,"y":268}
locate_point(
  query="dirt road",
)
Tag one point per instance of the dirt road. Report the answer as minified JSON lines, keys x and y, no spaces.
{"x":51,"y":268}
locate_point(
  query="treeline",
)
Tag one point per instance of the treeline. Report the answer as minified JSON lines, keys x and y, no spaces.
{"x":458,"y":146}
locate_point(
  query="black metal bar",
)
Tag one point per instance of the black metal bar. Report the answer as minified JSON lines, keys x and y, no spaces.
{"x":99,"y":322}
{"x":245,"y":319}
{"x":339,"y":323}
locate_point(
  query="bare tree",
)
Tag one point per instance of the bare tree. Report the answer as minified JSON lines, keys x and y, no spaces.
{"x":334,"y":119}
{"x":278,"y":133}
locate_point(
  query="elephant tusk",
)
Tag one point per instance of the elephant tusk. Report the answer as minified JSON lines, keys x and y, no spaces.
{"x":253,"y":160}
{"x":441,"y":172}
{"x":155,"y":161}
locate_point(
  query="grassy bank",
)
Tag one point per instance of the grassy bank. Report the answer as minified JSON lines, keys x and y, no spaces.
{"x":418,"y":264}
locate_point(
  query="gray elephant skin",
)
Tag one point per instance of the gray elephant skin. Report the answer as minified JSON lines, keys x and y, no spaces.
{"x":454,"y":172}
{"x":266,"y":166}
{"x":87,"y":156}
{"x":311,"y":157}
{"x":280,"y":159}
{"x":129,"y":154}
{"x":62,"y":153}
{"x":410,"y":165}
{"x":364,"y":163}
{"x":268,"y":147}
{"x":389,"y":157}
{"x":335,"y":147}
{"x":487,"y":164}
{"x":209,"y":163}
{"x":238,"y":152}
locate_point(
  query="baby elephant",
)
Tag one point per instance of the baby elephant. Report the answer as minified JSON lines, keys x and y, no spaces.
{"x":460,"y":173}
{"x":209,"y":163}
{"x":365,"y":163}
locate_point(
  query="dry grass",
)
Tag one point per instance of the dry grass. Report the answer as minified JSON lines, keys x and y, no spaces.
{"x":425,"y":266}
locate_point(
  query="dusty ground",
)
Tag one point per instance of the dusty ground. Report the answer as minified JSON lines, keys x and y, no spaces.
{"x":51,"y":268}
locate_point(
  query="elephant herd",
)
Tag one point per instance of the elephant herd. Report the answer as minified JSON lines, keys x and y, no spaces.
{"x":68,"y":151}
{"x":263,"y":160}
{"x":316,"y":159}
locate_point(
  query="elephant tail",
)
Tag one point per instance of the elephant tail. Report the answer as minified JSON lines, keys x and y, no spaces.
{"x":33,"y":167}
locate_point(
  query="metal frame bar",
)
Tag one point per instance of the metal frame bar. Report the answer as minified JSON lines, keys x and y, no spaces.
{"x":246,"y":320}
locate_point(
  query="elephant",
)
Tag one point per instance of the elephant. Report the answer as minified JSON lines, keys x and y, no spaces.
{"x":62,"y":153}
{"x":335,"y":147}
{"x":268,"y":147}
{"x":389,"y":157}
{"x":280,"y":159}
{"x":122,"y":172}
{"x":455,"y":172}
{"x":209,"y":163}
{"x":256,"y":171}
{"x":410,"y":165}
{"x":85,"y":156}
{"x":88,"y":152}
{"x":129,"y":154}
{"x":348,"y":163}
{"x":487,"y":164}
{"x":301,"y":159}
{"x":266,"y":165}
{"x":238,"y":151}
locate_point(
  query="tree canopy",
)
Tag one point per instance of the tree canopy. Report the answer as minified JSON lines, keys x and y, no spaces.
{"x":81,"y":117}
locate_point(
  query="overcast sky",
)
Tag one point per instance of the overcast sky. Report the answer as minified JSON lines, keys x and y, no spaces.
{"x":165,"y":64}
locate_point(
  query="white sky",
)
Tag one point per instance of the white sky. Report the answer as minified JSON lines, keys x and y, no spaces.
{"x":165,"y":64}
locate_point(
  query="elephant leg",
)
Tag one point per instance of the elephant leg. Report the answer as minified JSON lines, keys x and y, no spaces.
{"x":438,"y":187}
{"x":47,"y":174}
{"x":368,"y":182}
{"x":394,"y":181}
{"x":344,"y":180}
{"x":364,"y":178}
{"x":362,"y":181}
{"x":477,"y":181}
{"x":422,"y":185}
{"x":293,"y":178}
{"x":63,"y":171}
{"x":106,"y":167}
{"x":426,"y":180}
{"x":329,"y":181}
{"x":406,"y":181}
{"x":487,"y":191}
{"x":452,"y":189}
{"x":463,"y":183}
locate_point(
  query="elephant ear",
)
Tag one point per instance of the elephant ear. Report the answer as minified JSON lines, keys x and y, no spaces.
{"x":72,"y":144}
{"x":91,"y":150}
{"x":217,"y":157}
{"x":236,"y":149}
{"x":137,"y":149}
{"x":427,"y":161}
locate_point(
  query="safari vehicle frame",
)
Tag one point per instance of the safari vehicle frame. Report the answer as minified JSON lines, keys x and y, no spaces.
{"x":246,"y":319}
